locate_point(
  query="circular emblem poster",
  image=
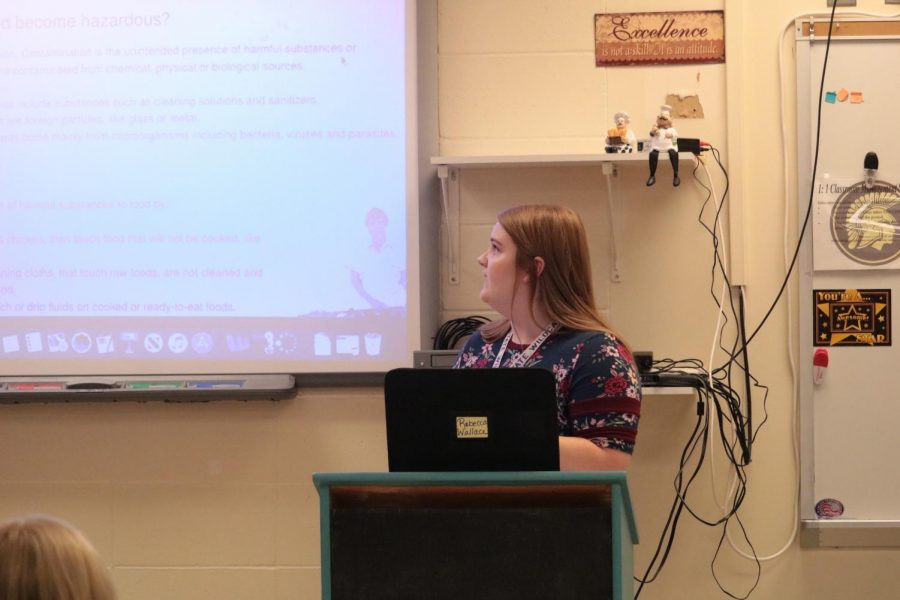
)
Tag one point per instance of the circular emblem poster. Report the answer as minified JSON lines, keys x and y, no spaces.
{"x":865,"y":223}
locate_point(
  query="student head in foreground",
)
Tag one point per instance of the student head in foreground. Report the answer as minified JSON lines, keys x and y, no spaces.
{"x":537,"y":275}
{"x":43,"y":558}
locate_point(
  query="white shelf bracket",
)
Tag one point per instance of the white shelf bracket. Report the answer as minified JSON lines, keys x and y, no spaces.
{"x":610,"y":170}
{"x":449,"y":169}
{"x":449,"y":177}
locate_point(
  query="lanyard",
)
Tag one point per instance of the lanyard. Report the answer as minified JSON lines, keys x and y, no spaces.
{"x":521,"y":359}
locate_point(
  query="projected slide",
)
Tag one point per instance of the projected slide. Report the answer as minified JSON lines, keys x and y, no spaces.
{"x":205,"y":182}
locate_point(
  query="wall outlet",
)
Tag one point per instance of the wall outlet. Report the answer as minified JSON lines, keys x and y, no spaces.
{"x":842,"y":3}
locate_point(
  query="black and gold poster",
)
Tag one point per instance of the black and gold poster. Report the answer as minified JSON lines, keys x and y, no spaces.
{"x":852,"y":317}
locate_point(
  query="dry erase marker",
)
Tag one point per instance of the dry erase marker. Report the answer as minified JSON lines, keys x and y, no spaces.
{"x":153,"y":385}
{"x":36,"y":387}
{"x":216,"y":385}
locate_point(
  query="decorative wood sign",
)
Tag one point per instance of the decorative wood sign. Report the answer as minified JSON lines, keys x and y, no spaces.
{"x":655,"y":38}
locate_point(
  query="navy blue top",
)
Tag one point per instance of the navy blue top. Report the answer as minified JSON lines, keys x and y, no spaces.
{"x":598,"y":389}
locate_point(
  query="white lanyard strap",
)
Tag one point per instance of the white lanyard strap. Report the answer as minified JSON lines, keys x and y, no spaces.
{"x":521,"y":359}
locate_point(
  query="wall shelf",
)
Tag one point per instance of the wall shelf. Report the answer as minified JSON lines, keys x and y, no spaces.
{"x":544,"y":160}
{"x":445,"y":359}
{"x":448,"y":172}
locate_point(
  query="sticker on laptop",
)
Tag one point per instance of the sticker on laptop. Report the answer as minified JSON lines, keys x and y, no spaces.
{"x":468,"y":428}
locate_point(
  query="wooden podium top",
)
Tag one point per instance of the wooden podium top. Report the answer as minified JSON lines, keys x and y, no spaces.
{"x":577,"y":486}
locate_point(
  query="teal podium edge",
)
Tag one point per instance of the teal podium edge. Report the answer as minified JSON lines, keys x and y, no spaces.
{"x":622,"y":569}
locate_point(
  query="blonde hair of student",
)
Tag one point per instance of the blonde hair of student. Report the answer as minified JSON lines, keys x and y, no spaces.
{"x":43,"y":558}
{"x":564,"y":288}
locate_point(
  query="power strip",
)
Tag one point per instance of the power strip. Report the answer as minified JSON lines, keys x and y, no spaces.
{"x":434,"y":359}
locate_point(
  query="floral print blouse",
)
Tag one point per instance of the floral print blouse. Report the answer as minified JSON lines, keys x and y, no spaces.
{"x":598,"y":389}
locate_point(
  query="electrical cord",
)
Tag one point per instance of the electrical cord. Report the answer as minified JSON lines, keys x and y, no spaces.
{"x":451,"y":332}
{"x":743,"y":427}
{"x":725,"y":401}
{"x":790,"y":340}
{"x":719,"y":261}
{"x":789,"y":264}
{"x":788,"y":260}
{"x":725,"y":408}
{"x":812,"y":187}
{"x":667,"y":537}
{"x":716,"y":404}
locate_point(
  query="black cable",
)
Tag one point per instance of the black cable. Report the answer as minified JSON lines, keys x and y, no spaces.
{"x":718,"y":158}
{"x":712,"y":565}
{"x":451,"y":332}
{"x":744,"y":432}
{"x":748,"y":440}
{"x":724,"y":405}
{"x":812,"y":182}
{"x":721,"y":391}
{"x":667,"y":536}
{"x":718,"y":259}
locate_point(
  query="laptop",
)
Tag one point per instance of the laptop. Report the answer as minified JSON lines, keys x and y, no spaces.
{"x":471,"y":420}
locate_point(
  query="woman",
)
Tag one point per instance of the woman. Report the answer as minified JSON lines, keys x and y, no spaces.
{"x":537,"y":275}
{"x":42,"y":558}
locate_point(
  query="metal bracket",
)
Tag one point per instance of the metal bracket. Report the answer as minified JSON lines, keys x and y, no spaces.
{"x":449,"y":177}
{"x":610,"y":170}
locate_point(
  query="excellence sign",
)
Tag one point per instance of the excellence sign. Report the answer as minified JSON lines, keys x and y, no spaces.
{"x":659,"y":38}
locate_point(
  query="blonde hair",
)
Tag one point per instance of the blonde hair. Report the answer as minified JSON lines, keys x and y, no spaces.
{"x":564,"y":288}
{"x":44,"y":558}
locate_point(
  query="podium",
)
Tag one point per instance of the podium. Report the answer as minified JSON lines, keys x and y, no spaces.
{"x":471,"y":536}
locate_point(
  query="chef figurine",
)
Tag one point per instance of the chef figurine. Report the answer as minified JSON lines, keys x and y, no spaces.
{"x":663,"y":138}
{"x":620,"y":138}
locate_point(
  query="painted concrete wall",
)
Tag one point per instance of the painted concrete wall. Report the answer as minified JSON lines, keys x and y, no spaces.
{"x":215,"y":500}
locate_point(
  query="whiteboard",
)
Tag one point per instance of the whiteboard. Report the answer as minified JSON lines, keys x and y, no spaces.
{"x":849,"y":443}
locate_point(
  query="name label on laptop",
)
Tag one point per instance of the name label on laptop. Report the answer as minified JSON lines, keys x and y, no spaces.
{"x":471,"y":428}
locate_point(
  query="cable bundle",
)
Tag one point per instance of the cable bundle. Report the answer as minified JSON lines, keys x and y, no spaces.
{"x":715,"y":393}
{"x":456,"y":330}
{"x":716,"y":398}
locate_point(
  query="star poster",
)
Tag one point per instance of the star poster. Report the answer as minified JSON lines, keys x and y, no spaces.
{"x":852,"y":317}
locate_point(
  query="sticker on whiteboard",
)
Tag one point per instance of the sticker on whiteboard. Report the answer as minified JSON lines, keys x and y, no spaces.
{"x":828,"y":508}
{"x":852,"y":317}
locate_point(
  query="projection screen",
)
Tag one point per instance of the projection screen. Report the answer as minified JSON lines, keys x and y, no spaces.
{"x":207,"y":186}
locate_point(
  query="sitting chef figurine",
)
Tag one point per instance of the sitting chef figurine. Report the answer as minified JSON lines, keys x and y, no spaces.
{"x":663,"y":138}
{"x":620,"y":138}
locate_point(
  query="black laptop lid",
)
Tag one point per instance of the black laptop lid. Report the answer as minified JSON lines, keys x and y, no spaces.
{"x":471,"y":420}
